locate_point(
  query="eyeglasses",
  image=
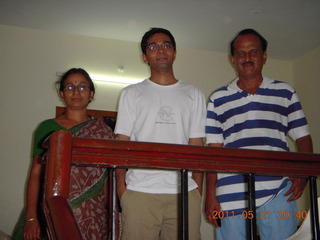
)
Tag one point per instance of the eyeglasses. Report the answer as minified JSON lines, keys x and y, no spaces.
{"x":154,"y":47}
{"x":252,"y":52}
{"x":71,"y":88}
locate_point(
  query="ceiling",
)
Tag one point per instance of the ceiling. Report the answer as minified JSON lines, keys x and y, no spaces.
{"x":292,"y":27}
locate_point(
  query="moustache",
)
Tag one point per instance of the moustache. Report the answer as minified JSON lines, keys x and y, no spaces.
{"x":248,"y":62}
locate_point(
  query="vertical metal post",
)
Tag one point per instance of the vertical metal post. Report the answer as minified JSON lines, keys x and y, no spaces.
{"x":184,"y":204}
{"x":314,"y":208}
{"x":251,"y":221}
{"x":114,"y":204}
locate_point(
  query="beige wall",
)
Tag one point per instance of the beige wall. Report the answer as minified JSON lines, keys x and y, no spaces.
{"x":306,"y":72}
{"x":29,"y":61}
{"x":306,"y":81}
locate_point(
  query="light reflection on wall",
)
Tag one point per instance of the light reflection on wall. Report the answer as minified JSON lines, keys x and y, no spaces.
{"x":110,"y":79}
{"x":115,"y":79}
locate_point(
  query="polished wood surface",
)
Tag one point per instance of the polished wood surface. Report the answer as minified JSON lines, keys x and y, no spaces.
{"x":203,"y":158}
{"x":59,"y":215}
{"x":65,"y":150}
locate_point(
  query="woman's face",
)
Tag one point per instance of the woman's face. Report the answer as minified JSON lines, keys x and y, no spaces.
{"x":76,"y":92}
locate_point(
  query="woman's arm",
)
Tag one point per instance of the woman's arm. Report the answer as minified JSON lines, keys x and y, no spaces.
{"x":32,"y":227}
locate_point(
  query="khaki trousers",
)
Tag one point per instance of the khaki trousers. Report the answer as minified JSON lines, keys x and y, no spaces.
{"x":148,"y":216}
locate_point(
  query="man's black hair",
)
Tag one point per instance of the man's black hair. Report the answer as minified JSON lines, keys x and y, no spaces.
{"x":263,"y":41}
{"x":152,"y":31}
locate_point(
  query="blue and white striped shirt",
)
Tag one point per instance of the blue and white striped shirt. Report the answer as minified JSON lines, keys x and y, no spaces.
{"x":254,"y":121}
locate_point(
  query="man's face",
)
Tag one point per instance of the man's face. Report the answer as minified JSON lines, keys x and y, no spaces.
{"x":248,"y":57}
{"x":160,"y":53}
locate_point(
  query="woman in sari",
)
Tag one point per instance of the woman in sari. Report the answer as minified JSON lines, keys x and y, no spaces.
{"x":88,"y":196}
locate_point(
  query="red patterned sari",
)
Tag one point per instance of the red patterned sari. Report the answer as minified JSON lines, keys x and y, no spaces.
{"x":88,"y":195}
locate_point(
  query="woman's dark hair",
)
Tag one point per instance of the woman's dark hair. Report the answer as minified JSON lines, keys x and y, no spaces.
{"x":152,"y":31}
{"x":263,"y":41}
{"x":73,"y":71}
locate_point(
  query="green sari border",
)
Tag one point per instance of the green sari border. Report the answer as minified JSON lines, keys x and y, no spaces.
{"x":91,"y":192}
{"x":78,"y":127}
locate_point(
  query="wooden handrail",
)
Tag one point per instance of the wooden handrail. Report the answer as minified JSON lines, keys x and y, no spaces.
{"x":65,"y":150}
{"x":58,"y":212}
{"x":172,"y":156}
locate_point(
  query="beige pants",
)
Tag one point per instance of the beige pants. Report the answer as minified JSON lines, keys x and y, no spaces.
{"x":148,"y":216}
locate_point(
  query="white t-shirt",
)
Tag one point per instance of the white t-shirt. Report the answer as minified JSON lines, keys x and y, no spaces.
{"x":149,"y":112}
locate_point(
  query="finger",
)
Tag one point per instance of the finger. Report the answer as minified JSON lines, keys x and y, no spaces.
{"x":295,"y":196}
{"x":38,"y":233}
{"x":291,"y":190}
{"x":35,"y":234}
{"x":209,"y":218}
{"x":292,"y":198}
{"x":208,"y":215}
{"x":32,"y":237}
{"x":215,"y":223}
{"x":288,"y":193}
{"x":26,"y":236}
{"x":211,"y":221}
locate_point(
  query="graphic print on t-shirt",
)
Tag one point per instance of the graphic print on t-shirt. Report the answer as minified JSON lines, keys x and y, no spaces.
{"x":165,"y":115}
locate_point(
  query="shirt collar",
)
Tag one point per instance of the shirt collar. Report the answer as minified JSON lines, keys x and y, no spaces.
{"x":234,"y":86}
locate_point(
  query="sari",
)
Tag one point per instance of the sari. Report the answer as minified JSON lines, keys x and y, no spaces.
{"x":87,"y":191}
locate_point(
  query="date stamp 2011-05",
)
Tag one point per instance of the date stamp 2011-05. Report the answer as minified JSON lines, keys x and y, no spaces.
{"x":261,"y":214}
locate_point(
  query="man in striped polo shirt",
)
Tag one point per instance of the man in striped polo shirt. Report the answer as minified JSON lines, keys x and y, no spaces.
{"x":254,"y":112}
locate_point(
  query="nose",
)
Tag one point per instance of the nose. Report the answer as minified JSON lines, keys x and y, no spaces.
{"x":76,"y":90}
{"x":247,"y":57}
{"x":160,"y":49}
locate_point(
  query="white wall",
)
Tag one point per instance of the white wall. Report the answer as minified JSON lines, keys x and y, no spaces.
{"x":29,"y":60}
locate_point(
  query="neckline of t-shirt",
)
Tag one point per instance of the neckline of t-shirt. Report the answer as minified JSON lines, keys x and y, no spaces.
{"x":164,"y":86}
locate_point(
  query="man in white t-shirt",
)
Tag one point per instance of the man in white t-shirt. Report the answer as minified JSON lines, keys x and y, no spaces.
{"x":161,"y":109}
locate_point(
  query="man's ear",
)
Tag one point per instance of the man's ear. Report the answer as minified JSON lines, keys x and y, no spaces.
{"x":144,"y":58}
{"x":265,"y":55}
{"x":231,"y":57}
{"x":61,"y":94}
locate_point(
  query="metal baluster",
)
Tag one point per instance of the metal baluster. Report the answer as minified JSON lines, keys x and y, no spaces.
{"x":251,"y":222}
{"x":314,"y":208}
{"x":114,"y":204}
{"x":184,"y":203}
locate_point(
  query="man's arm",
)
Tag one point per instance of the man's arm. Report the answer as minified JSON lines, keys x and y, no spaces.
{"x":212,"y":203}
{"x":304,"y":144}
{"x":121,"y":172}
{"x":197,"y":176}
